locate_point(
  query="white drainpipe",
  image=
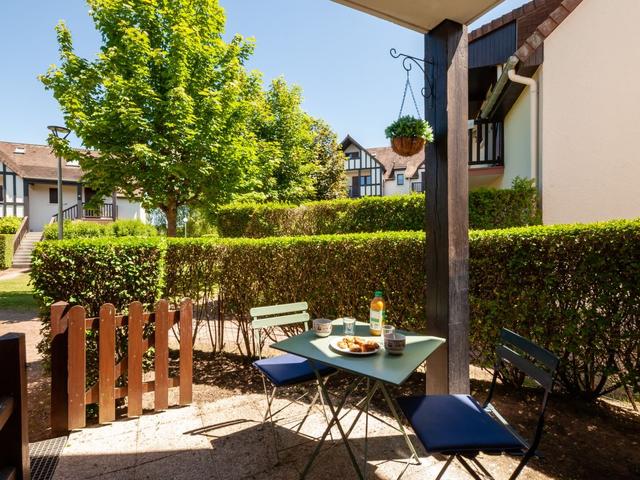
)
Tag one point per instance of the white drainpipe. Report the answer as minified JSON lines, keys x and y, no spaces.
{"x":533,"y":97}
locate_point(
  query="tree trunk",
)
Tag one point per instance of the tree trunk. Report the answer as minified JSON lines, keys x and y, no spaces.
{"x":171,"y":212}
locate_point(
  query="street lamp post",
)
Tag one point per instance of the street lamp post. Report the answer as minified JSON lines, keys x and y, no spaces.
{"x":60,"y":132}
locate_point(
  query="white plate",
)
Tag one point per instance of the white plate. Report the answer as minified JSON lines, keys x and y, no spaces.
{"x":346,"y":351}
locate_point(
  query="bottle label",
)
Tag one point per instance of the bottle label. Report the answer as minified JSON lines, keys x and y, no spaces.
{"x":375,"y":319}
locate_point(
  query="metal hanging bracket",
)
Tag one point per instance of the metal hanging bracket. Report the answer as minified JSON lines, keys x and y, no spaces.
{"x":407,"y":63}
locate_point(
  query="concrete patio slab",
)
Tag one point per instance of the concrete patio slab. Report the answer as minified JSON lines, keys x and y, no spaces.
{"x":226,"y":440}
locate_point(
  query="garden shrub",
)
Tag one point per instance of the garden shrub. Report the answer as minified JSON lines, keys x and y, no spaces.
{"x":488,"y":208}
{"x":91,"y":272}
{"x":9,"y":224}
{"x":88,"y":229}
{"x":572,"y":289}
{"x":6,"y":247}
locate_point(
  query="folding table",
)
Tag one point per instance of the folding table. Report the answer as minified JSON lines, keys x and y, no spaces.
{"x":378,"y":370}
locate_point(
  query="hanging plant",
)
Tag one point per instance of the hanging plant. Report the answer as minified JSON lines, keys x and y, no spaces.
{"x":408,"y":135}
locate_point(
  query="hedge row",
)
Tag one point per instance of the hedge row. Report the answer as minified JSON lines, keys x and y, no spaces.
{"x":573,"y":289}
{"x":488,"y":208}
{"x":88,"y":229}
{"x":9,"y":224}
{"x":6,"y":250}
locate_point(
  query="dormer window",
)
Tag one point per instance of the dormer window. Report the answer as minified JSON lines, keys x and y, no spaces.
{"x":20,"y":151}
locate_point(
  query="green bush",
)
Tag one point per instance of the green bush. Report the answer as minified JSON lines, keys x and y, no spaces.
{"x":572,"y":289}
{"x":9,"y":224}
{"x":6,"y":250}
{"x":91,"y":272}
{"x":88,"y":229}
{"x":488,"y":208}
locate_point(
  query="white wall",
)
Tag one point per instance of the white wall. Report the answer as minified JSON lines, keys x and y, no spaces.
{"x":517,"y":137}
{"x":40,"y":210}
{"x":391,"y":186}
{"x":590,"y":126}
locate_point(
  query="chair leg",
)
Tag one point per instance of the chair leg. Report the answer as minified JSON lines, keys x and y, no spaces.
{"x":270,"y":417}
{"x":470,"y":469}
{"x":446,"y":465}
{"x":314,"y":400}
{"x":525,"y":459}
{"x":324,"y":408}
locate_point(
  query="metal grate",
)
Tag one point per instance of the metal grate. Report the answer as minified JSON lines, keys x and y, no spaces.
{"x":44,"y":457}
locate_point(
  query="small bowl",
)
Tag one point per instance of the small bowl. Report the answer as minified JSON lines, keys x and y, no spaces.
{"x":395,"y":343}
{"x":322,"y":327}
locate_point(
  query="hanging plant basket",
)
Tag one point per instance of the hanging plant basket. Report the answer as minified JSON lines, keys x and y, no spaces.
{"x":409,"y":135}
{"x":407,"y":146}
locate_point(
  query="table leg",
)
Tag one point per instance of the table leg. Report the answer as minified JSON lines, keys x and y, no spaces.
{"x":335,"y":420}
{"x":394,"y":412}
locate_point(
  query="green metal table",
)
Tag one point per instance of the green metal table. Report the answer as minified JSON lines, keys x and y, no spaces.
{"x":378,"y":370}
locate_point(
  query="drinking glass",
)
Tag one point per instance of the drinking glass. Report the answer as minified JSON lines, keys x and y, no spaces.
{"x":388,"y":330}
{"x":349,"y":325}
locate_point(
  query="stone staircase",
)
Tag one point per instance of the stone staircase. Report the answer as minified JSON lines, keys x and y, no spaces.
{"x":22,"y":256}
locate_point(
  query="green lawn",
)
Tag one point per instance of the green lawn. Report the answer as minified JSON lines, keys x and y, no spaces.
{"x":16,"y":294}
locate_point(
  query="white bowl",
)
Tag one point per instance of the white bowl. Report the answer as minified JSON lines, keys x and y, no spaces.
{"x":322,"y":327}
{"x":395,"y":343}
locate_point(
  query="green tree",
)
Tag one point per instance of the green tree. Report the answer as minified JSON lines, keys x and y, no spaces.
{"x":298,"y":154}
{"x":329,"y":177}
{"x":166,"y":106}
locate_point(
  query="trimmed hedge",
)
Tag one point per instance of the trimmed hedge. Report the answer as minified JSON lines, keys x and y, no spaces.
{"x":87,"y":229}
{"x":91,"y":272}
{"x":10,"y":224}
{"x":572,"y":289}
{"x":488,"y":208}
{"x":6,"y":250}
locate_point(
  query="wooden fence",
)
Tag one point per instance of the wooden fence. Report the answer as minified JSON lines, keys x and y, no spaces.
{"x":14,"y":426}
{"x":69,"y":394}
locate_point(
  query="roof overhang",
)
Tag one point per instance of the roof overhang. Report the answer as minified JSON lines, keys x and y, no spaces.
{"x":423,"y":15}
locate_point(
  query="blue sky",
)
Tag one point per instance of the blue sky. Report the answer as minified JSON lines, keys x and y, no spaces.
{"x":339,"y":57}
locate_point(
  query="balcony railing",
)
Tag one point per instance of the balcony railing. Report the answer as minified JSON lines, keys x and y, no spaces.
{"x":417,"y":187}
{"x":486,"y":143}
{"x":104,"y":211}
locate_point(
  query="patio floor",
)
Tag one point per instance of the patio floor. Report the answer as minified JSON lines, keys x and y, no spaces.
{"x":226,"y":440}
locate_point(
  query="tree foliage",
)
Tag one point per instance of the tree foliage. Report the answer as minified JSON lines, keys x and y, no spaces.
{"x":165,"y":107}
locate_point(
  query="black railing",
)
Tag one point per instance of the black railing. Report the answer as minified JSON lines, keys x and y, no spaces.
{"x":417,"y":187}
{"x":486,"y":143}
{"x":104,"y":211}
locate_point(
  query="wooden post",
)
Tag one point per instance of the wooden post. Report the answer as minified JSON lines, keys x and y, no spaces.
{"x":106,"y":364}
{"x":135,"y":354}
{"x":161,"y":395}
{"x":447,"y":223}
{"x":186,"y":351}
{"x":80,"y":206}
{"x":59,"y":374}
{"x":77,"y":368}
{"x":114,"y":206}
{"x":14,"y":431}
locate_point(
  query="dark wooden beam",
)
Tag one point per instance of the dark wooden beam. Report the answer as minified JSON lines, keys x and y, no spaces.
{"x":447,"y":218}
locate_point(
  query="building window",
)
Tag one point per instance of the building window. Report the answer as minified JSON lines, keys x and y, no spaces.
{"x":353,"y":155}
{"x":53,"y":195}
{"x":400,"y":178}
{"x":365,"y":180}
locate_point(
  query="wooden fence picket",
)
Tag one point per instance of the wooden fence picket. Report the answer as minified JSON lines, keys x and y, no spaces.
{"x":161,"y":398}
{"x":69,"y":393}
{"x":77,"y":361}
{"x":106,"y":364}
{"x":186,"y":352}
{"x":135,"y":354}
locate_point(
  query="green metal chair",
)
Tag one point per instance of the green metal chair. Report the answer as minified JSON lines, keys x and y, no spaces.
{"x":286,"y":370}
{"x":460,"y":427}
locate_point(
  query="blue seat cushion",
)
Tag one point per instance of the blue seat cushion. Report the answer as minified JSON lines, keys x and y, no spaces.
{"x":290,"y":369}
{"x":457,"y":423}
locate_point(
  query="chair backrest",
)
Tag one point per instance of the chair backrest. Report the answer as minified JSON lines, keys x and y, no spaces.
{"x":535,"y":362}
{"x":544,"y":365}
{"x":278,"y":316}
